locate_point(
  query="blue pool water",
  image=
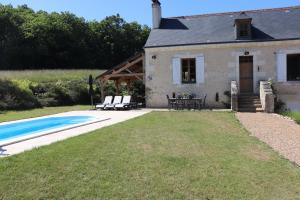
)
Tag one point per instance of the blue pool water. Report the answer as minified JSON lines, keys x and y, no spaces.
{"x":18,"y":129}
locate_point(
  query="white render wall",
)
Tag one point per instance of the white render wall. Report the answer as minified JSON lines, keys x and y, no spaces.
{"x":221,"y":67}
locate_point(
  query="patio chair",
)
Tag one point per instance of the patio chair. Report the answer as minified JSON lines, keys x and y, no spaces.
{"x":171,"y":102}
{"x":180,"y":103}
{"x":203,"y":102}
{"x":117,"y":100}
{"x":108,"y":100}
{"x":125,"y":103}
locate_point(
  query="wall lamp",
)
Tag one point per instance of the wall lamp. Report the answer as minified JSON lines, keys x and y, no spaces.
{"x":246,"y":53}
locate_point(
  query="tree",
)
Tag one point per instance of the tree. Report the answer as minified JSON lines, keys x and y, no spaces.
{"x":41,"y":40}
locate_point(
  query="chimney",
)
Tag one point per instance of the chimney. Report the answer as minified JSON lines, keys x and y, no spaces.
{"x":156,"y":14}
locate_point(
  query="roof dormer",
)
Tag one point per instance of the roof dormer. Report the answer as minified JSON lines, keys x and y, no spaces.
{"x":243,"y":24}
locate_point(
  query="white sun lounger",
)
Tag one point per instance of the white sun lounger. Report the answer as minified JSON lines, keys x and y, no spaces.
{"x":117,"y":100}
{"x":125,"y":103}
{"x":108,"y":100}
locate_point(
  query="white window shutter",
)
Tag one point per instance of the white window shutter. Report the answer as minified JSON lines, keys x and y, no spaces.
{"x":176,"y":66}
{"x":281,"y":64}
{"x":200,"y":78}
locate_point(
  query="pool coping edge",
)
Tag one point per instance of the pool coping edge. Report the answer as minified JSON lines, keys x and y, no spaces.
{"x":53,"y":132}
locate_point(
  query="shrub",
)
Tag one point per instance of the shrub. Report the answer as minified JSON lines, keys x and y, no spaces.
{"x":25,"y":94}
{"x":227,"y":103}
{"x":16,"y":95}
{"x":280,"y":106}
{"x":50,"y":94}
{"x":97,"y":92}
{"x":138,"y":91}
{"x":78,"y":91}
{"x":62,"y":93}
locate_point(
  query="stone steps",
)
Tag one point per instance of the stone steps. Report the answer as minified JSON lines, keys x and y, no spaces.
{"x":250,"y":106}
{"x":250,"y":110}
{"x":249,"y":103}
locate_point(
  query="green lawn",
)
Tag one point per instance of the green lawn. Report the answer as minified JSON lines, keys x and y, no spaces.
{"x":294,"y":115}
{"x":162,"y":155}
{"x":49,"y":75}
{"x":16,"y":115}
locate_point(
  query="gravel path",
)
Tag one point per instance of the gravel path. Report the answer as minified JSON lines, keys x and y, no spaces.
{"x":281,"y":133}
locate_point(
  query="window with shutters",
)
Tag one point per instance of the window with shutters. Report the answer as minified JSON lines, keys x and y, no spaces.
{"x":188,"y":70}
{"x":293,"y":67}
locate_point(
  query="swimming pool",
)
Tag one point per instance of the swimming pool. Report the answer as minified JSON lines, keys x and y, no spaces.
{"x":16,"y":131}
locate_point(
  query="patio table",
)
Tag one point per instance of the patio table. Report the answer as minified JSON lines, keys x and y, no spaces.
{"x":186,"y":103}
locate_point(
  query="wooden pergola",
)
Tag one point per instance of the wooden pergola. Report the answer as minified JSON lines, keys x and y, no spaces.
{"x":127,"y":72}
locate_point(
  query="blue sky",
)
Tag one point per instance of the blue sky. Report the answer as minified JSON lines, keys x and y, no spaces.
{"x":140,"y":10}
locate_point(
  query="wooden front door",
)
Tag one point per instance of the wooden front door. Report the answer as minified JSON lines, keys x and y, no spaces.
{"x":246,"y":74}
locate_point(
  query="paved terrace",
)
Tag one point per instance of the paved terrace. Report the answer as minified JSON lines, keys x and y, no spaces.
{"x":281,"y":133}
{"x":113,"y":117}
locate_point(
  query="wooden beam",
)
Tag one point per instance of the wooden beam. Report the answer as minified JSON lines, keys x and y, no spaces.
{"x":128,"y":85}
{"x":103,"y":79}
{"x":116,"y":70}
{"x":124,"y":75}
{"x":102,"y":86}
{"x":132,"y":73}
{"x":128,"y":65}
{"x":117,"y":84}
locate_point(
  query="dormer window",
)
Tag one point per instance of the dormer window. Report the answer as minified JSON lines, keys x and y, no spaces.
{"x":243,"y":27}
{"x":244,"y":30}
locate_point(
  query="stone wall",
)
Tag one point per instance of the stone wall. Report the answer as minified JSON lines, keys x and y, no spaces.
{"x":289,"y":93}
{"x":234,"y":96}
{"x":267,"y":97}
{"x":221,"y":67}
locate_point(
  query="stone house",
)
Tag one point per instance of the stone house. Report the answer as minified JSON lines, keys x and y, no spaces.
{"x":216,"y":54}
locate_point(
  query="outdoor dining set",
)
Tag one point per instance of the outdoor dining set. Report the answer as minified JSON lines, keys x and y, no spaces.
{"x":189,"y":102}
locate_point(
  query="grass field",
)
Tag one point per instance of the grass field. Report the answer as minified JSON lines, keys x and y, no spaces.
{"x":294,"y":115}
{"x":49,"y":75}
{"x":17,"y":115}
{"x":162,"y":155}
